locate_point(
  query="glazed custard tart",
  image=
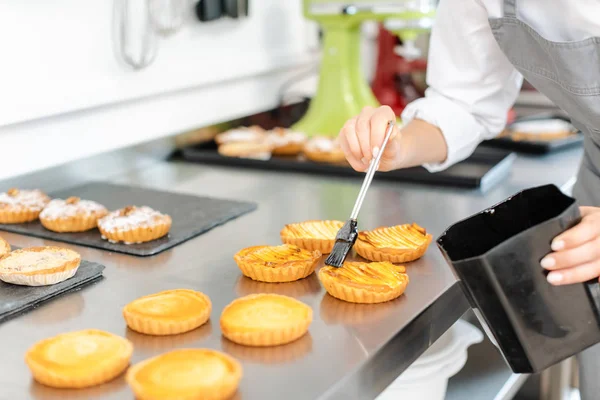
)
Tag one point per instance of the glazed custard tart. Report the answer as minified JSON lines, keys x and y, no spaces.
{"x":396,"y":244}
{"x":39,"y":266}
{"x":265,"y":320}
{"x":286,"y":142}
{"x":186,"y":374}
{"x":324,"y":150}
{"x":72,"y":215}
{"x":285,"y":263}
{"x":4,"y":247}
{"x":134,"y":225}
{"x":79,"y":359}
{"x":312,"y":235}
{"x":20,"y":206}
{"x":361,"y":282}
{"x":168,"y":313}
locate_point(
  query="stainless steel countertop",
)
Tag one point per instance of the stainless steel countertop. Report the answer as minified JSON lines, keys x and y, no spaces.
{"x":352,"y":351}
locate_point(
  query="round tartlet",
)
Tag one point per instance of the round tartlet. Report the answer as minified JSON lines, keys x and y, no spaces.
{"x":168,"y":312}
{"x":286,"y":142}
{"x":20,"y":206}
{"x":312,"y":235}
{"x":186,"y":374}
{"x":360,"y":282}
{"x":254,"y":150}
{"x":396,"y":244}
{"x":241,"y":134}
{"x":39,"y":266}
{"x":265,"y":320}
{"x":285,"y":263}
{"x":324,"y":150}
{"x":79,"y":359}
{"x":72,"y":215}
{"x":134,"y":225}
{"x":4,"y":247}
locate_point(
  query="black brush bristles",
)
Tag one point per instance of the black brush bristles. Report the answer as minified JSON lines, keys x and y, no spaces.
{"x":344,"y":240}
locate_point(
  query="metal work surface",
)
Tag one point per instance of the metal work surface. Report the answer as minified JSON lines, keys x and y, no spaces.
{"x":352,"y":351}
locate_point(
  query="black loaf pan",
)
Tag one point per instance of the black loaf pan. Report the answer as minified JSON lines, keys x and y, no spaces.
{"x":496,"y":255}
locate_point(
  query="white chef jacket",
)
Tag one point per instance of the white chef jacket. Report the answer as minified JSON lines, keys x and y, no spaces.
{"x":472,"y":85}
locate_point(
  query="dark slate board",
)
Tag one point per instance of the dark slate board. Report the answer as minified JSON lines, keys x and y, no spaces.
{"x":191,"y":215}
{"x":17,"y":299}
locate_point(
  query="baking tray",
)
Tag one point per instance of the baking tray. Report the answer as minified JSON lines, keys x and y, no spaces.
{"x":16,"y":299}
{"x":191,"y":215}
{"x":484,"y":169}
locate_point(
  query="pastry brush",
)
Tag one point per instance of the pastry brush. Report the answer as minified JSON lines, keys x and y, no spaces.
{"x":346,"y":236}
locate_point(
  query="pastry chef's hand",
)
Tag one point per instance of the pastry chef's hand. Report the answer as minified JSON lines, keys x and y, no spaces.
{"x":576,"y":252}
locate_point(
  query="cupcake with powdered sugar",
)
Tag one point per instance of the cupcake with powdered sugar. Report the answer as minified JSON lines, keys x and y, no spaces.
{"x":72,"y":215}
{"x":134,"y":225}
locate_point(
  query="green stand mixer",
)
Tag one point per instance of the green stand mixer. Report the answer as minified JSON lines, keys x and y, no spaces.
{"x":343,"y":91}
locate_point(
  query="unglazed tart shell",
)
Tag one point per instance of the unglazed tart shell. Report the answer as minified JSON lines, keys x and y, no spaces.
{"x":360,"y":282}
{"x":4,"y":247}
{"x":20,"y":206}
{"x":79,"y":359}
{"x":396,"y":244}
{"x":312,"y":235}
{"x":186,"y":374}
{"x":71,"y":215}
{"x":285,"y":263}
{"x":134,"y":225}
{"x":39,"y":266}
{"x":265,"y":320}
{"x":168,"y":312}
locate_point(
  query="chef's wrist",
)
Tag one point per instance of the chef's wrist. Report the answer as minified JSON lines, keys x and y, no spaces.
{"x":421,"y":143}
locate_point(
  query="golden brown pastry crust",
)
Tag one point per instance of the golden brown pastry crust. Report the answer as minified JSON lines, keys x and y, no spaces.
{"x":257,"y":150}
{"x":396,"y":244}
{"x":186,"y":374}
{"x":265,"y":320}
{"x":169,"y":312}
{"x":79,"y":359}
{"x":360,"y":282}
{"x":286,"y":142}
{"x":4,"y":247}
{"x":71,"y":215}
{"x":20,"y":206}
{"x":331,"y":154}
{"x":312,"y":235}
{"x":134,"y":225}
{"x":52,"y":265}
{"x":285,"y":263}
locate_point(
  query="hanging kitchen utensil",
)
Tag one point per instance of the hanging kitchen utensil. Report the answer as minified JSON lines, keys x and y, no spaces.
{"x":167,"y":16}
{"x":134,"y":39}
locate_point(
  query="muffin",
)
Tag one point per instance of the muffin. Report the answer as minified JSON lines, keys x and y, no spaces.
{"x":20,"y":206}
{"x":72,"y":215}
{"x":134,"y":225}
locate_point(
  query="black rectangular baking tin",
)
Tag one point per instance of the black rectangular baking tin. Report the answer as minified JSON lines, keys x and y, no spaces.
{"x":191,"y":215}
{"x":496,"y":255}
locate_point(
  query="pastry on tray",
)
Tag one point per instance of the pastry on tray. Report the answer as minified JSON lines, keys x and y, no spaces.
{"x":285,"y":263}
{"x":396,"y":244}
{"x":79,"y":359}
{"x":39,"y":266}
{"x":286,"y":142}
{"x":168,"y":313}
{"x":312,"y":235}
{"x":253,"y":150}
{"x":4,"y":247}
{"x":265,"y":320}
{"x":324,"y":150}
{"x":186,"y":374}
{"x":241,"y":134}
{"x":134,"y":225}
{"x":20,"y":206}
{"x":364,"y":282}
{"x":72,"y":215}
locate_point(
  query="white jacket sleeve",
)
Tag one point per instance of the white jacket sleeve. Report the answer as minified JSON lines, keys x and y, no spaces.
{"x":471,"y":83}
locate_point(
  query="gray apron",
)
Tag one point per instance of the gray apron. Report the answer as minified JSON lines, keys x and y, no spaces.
{"x":569,"y":74}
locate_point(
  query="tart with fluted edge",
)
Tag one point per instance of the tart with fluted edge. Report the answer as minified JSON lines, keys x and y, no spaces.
{"x":265,"y":320}
{"x":4,"y":247}
{"x":72,"y":215}
{"x":80,"y":359}
{"x":286,"y":142}
{"x":284,"y":263}
{"x":18,"y":206}
{"x":186,"y":374}
{"x":396,"y":244}
{"x":39,"y":266}
{"x":253,"y":150}
{"x":364,"y":282}
{"x":242,"y":134}
{"x":324,"y":150}
{"x":168,"y":312}
{"x":134,"y":225}
{"x":312,"y":235}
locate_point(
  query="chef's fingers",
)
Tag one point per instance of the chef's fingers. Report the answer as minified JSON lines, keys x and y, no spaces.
{"x":348,"y":134}
{"x":588,"y":229}
{"x":579,"y":274}
{"x":356,"y":164}
{"x":363,"y":132}
{"x":379,"y":126}
{"x":587,"y":252}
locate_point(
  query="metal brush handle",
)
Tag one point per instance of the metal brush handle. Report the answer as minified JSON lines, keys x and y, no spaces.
{"x":370,"y":172}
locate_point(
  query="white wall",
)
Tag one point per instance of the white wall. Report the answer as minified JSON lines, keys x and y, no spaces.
{"x":64,"y":95}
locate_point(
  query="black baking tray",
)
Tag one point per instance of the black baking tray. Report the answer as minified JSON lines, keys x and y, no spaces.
{"x":16,"y":299}
{"x":191,"y":215}
{"x":484,"y":169}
